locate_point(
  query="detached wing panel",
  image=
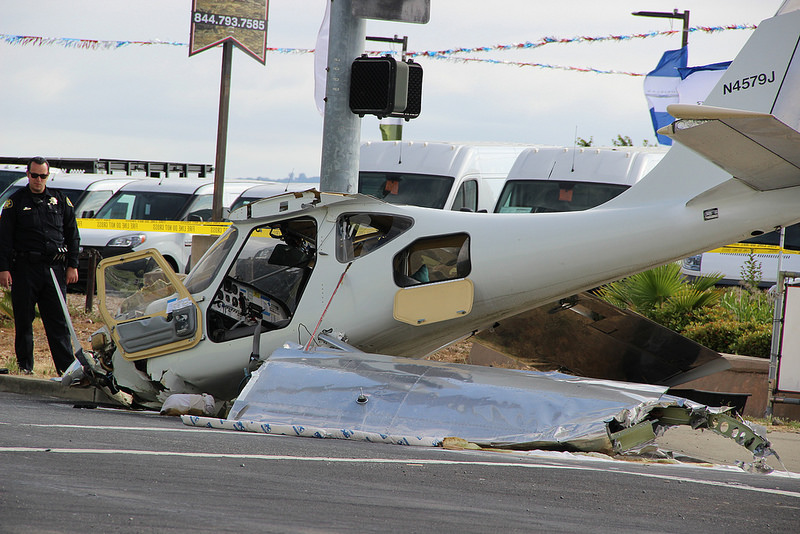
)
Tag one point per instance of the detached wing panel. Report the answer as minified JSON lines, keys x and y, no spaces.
{"x":756,"y":148}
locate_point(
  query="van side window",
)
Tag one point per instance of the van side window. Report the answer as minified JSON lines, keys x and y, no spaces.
{"x":433,"y":259}
{"x":201,"y":208}
{"x":358,"y":234}
{"x":466,"y":197}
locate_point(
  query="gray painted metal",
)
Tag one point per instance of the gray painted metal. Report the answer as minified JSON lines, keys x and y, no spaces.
{"x":341,"y":131}
{"x":355,"y":392}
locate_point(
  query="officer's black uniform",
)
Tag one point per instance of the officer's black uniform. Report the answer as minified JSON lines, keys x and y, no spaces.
{"x":37,"y":232}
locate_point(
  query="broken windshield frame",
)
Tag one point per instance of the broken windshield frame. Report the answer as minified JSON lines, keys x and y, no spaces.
{"x":206,"y":269}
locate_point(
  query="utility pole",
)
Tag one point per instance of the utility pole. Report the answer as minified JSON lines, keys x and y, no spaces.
{"x":667,"y":15}
{"x":341,"y":130}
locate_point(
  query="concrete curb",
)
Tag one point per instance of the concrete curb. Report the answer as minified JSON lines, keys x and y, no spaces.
{"x":52,"y":388}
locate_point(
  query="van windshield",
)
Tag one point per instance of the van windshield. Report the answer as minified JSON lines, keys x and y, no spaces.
{"x":74,"y":195}
{"x":145,"y":205}
{"x":542,"y":196}
{"x":425,"y":190}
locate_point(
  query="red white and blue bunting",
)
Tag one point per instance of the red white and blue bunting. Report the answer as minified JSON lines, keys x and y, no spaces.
{"x":451,"y":54}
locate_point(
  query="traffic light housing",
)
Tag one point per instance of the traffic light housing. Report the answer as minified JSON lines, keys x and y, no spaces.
{"x":385,"y":87}
{"x":414,"y":97}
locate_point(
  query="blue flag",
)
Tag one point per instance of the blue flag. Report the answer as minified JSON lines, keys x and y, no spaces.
{"x":661,"y":89}
{"x":697,"y":82}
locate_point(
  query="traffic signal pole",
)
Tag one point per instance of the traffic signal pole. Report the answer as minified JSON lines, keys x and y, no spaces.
{"x":341,"y":130}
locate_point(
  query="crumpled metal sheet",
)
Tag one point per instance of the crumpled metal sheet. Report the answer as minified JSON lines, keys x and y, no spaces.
{"x":359,"y":393}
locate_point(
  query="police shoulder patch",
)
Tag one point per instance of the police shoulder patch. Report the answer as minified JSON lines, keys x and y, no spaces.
{"x":8,"y":203}
{"x":69,"y":202}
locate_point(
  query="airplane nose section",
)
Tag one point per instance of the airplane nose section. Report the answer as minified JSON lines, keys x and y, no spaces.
{"x":74,"y":374}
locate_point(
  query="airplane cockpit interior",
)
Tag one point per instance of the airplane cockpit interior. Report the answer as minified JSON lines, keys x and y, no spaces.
{"x":265,"y":281}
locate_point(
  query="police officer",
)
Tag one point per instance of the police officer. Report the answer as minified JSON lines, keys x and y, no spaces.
{"x":38,"y":232}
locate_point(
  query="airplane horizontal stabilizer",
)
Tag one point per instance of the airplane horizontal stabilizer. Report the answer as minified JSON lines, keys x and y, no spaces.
{"x":755,"y":148}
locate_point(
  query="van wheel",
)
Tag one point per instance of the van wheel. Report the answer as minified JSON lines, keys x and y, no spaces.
{"x":173,"y":264}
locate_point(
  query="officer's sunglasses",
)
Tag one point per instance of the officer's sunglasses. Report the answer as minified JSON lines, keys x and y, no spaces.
{"x":40,"y":176}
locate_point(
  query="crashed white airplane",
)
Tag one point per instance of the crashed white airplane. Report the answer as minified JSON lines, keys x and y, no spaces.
{"x":405,"y":281}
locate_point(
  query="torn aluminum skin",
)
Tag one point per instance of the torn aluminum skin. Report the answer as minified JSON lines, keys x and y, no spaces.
{"x":355,"y":395}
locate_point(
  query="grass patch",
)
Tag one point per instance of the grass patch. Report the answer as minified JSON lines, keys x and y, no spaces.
{"x":776,"y":424}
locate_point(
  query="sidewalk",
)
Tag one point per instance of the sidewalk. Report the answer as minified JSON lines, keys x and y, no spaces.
{"x":682,"y":440}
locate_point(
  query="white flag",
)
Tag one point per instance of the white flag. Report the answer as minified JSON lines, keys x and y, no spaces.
{"x":321,"y":59}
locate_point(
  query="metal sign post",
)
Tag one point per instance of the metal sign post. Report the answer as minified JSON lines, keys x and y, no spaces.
{"x":216,"y":22}
{"x":666,"y":15}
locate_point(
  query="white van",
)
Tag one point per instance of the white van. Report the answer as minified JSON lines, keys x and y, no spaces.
{"x":452,"y":176}
{"x":730,"y":260}
{"x":87,"y":192}
{"x":152,"y":199}
{"x":264,"y":189}
{"x":548,"y":179}
{"x":10,"y":174}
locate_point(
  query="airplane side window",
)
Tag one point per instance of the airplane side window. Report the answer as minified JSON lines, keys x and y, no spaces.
{"x":433,"y":259}
{"x":358,"y":234}
{"x":266,"y":280}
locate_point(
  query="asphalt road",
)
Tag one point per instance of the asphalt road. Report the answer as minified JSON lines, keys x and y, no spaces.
{"x":66,"y":469}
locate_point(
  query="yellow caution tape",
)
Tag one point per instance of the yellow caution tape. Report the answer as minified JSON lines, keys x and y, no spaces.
{"x":177,"y":227}
{"x":755,"y":248}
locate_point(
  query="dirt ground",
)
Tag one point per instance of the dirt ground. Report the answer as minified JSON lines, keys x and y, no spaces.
{"x":84,"y":323}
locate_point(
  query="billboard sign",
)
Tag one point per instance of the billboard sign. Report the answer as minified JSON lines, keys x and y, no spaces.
{"x":243,"y":22}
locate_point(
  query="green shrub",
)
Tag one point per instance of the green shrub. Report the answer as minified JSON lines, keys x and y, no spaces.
{"x":720,"y":335}
{"x":732,"y":337}
{"x":757,"y":343}
{"x":748,"y":306}
{"x":735,"y":321}
{"x":751,"y":272}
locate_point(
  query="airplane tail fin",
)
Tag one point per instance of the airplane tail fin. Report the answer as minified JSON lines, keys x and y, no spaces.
{"x":749,"y":123}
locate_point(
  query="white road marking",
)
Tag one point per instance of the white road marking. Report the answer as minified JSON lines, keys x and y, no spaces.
{"x":133,"y":428}
{"x":408,"y":461}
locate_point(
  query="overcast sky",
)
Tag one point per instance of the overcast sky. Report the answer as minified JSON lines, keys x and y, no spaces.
{"x":156,"y":103}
